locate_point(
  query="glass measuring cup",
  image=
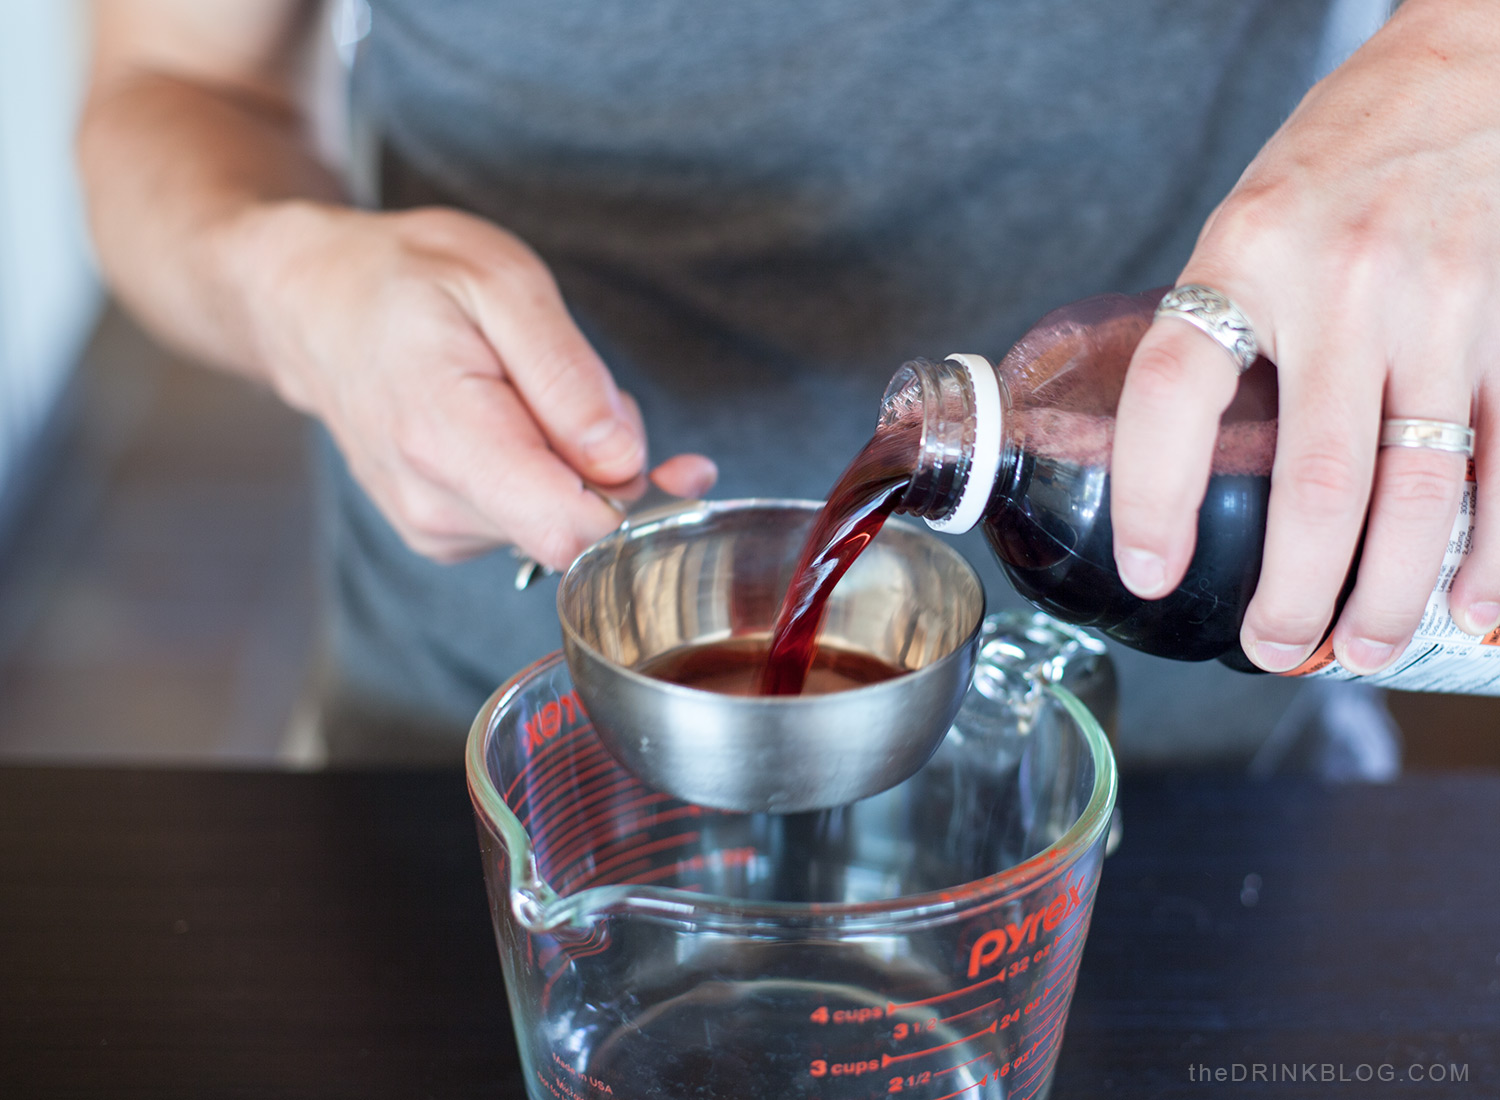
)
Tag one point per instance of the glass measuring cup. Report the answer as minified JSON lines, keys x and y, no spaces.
{"x":923,"y":942}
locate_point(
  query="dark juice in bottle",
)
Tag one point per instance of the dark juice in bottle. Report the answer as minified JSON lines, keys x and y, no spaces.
{"x":1049,"y":526}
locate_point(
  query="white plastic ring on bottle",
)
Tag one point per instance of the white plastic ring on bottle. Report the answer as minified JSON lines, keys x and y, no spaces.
{"x":984,"y":463}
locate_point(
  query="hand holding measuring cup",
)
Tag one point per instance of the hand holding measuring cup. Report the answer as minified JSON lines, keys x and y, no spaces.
{"x":441,"y":356}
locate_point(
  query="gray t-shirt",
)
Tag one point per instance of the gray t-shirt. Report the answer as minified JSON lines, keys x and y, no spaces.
{"x":759,"y":211}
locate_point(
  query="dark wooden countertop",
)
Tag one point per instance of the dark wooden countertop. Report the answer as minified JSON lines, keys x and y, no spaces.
{"x":227,"y":934}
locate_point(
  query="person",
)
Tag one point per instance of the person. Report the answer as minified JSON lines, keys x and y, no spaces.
{"x":732,"y":222}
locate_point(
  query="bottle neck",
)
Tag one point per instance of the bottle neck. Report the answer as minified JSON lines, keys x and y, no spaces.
{"x":960,"y":405}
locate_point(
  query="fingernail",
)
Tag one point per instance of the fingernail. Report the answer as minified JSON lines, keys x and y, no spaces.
{"x":1277,"y":656}
{"x":609,"y":443}
{"x":1481,"y":618}
{"x":1366,"y":655}
{"x":1143,"y":572}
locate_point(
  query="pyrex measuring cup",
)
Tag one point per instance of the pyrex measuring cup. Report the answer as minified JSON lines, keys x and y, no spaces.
{"x":923,"y":942}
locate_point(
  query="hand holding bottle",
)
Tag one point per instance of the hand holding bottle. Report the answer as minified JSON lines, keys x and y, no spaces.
{"x":1361,"y":246}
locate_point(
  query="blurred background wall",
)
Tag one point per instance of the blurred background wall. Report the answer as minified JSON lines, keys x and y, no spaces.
{"x":48,"y":294}
{"x":155,"y":574}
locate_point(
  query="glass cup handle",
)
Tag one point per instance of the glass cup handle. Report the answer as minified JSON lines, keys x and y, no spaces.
{"x":1020,"y":652}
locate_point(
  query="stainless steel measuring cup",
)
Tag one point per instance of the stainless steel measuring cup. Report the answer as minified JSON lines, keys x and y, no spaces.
{"x":710,"y":572}
{"x":923,"y":942}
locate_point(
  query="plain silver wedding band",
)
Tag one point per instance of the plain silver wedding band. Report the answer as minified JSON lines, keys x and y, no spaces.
{"x":1213,"y":313}
{"x":1432,"y":435}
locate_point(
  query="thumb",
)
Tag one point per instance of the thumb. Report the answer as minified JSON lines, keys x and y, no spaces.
{"x":561,"y":378}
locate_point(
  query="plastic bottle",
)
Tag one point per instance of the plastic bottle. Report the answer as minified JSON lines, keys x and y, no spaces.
{"x":1022,"y":448}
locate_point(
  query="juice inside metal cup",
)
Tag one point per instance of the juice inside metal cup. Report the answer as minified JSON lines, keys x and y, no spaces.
{"x":924,"y":941}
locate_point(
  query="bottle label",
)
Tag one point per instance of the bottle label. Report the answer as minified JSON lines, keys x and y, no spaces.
{"x":1441,"y":657}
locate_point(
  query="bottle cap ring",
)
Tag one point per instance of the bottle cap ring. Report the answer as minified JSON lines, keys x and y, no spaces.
{"x":1433,"y":435}
{"x":1213,"y":313}
{"x":984,"y":385}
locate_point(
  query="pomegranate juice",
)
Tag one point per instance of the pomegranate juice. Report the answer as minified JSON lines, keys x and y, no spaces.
{"x":1049,"y":526}
{"x":735,"y":667}
{"x":862,"y":499}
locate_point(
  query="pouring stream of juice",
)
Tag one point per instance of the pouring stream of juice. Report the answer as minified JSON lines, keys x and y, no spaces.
{"x":862,"y":499}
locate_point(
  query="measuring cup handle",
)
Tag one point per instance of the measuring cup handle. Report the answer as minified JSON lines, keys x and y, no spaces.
{"x":1020,"y":652}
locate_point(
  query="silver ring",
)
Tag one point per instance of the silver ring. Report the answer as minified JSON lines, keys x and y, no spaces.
{"x":1213,"y":313}
{"x":1433,"y":435}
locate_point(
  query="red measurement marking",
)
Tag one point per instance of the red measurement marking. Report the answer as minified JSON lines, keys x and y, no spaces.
{"x":893,"y":1008}
{"x":979,"y":1084}
{"x":596,"y":815}
{"x":961,"y":1065}
{"x":728,"y":857}
{"x":1061,"y":969}
{"x":586,"y":764}
{"x":1043,"y":1047}
{"x":563,"y":779}
{"x":584,"y":819}
{"x":629,"y":842}
{"x":542,"y":757}
{"x":635,"y":845}
{"x":976,"y":1008}
{"x":890,"y":1059}
{"x":677,"y":841}
{"x":611,"y":836}
{"x":1041,"y":1053}
{"x":562,"y":842}
{"x":1054,"y":1016}
{"x":1068,"y":957}
{"x":617,"y":877}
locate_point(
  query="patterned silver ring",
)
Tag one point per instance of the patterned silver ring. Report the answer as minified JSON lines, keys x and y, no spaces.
{"x":1213,"y":313}
{"x":1433,"y":435}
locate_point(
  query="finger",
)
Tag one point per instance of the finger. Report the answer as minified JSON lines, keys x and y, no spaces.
{"x":684,"y":475}
{"x":558,"y":375}
{"x":1475,"y":597}
{"x":1328,"y":424}
{"x":1179,"y":382}
{"x":519,"y":489}
{"x":1412,"y":508}
{"x":1411,"y":514}
{"x":687,"y":475}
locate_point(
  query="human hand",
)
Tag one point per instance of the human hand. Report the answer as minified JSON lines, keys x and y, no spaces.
{"x":1362,"y":244}
{"x":438,"y":352}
